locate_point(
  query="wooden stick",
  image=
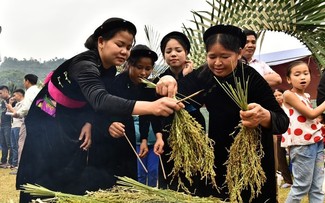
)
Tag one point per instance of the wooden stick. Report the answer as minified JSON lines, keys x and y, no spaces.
{"x":177,"y":94}
{"x":162,"y":167}
{"x":192,"y":95}
{"x":135,"y":153}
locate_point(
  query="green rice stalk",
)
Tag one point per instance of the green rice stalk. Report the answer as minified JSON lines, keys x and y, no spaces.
{"x":192,"y":150}
{"x":148,"y":83}
{"x":127,"y":190}
{"x":244,"y":168}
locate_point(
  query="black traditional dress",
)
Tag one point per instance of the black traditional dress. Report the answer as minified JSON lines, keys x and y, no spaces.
{"x":125,"y":88}
{"x":194,"y":110}
{"x":224,"y":117}
{"x":52,"y":156}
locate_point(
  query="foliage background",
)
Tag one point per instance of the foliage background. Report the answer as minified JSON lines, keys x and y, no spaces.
{"x":12,"y":70}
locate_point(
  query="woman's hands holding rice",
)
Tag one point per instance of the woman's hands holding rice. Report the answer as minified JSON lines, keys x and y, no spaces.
{"x":255,"y":115}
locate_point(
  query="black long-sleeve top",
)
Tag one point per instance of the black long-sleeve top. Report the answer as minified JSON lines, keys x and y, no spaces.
{"x":321,"y":90}
{"x":125,"y":88}
{"x":87,"y":81}
{"x":224,"y":117}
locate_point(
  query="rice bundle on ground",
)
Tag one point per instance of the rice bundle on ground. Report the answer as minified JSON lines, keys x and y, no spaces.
{"x":128,"y":190}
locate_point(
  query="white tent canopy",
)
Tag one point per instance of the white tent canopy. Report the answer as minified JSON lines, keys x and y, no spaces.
{"x":280,"y":57}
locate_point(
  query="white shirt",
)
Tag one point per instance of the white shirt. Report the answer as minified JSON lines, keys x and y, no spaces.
{"x":30,"y":95}
{"x":261,"y":67}
{"x":16,"y":122}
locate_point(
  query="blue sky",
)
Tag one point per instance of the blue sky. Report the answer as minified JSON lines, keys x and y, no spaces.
{"x":44,"y":29}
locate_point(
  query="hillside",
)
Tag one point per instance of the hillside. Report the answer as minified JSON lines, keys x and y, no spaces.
{"x":12,"y":70}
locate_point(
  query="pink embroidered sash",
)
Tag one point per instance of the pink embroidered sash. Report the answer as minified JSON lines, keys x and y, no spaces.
{"x":60,"y":98}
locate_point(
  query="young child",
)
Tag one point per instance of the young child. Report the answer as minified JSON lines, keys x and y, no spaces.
{"x":281,"y":158}
{"x":303,"y":137}
{"x":128,"y":85}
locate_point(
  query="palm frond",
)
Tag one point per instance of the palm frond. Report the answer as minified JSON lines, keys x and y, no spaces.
{"x":303,"y":20}
{"x":153,"y":39}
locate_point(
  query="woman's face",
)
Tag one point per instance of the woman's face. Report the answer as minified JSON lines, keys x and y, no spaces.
{"x":175,"y":54}
{"x":142,"y":69}
{"x":115,"y":51}
{"x":221,"y":61}
{"x":278,"y":96}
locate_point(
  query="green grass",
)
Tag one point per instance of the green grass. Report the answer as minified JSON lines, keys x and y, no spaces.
{"x":8,"y":192}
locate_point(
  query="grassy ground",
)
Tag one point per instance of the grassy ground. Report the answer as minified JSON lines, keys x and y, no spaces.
{"x":8,"y":193}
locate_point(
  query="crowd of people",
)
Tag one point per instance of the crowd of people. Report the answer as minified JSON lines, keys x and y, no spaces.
{"x":89,"y":124}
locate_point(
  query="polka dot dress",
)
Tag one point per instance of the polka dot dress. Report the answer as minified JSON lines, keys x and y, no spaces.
{"x":301,"y":131}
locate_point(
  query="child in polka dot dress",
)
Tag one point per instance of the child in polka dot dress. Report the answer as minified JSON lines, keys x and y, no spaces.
{"x":304,"y":137}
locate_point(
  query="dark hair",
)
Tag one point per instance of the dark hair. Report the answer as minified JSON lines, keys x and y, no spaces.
{"x":108,"y":30}
{"x":179,"y":37}
{"x":278,"y":90}
{"x":21,"y":91}
{"x":293,"y":64}
{"x":4,"y":87}
{"x":250,"y":32}
{"x":229,"y":36}
{"x":31,"y":78}
{"x":140,"y":51}
{"x":132,"y":61}
{"x":229,"y":42}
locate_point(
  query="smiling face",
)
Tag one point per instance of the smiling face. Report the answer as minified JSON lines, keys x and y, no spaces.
{"x":175,"y":54}
{"x":250,"y":47}
{"x":115,"y":51}
{"x":299,"y":77}
{"x":221,"y":61}
{"x":142,"y":69}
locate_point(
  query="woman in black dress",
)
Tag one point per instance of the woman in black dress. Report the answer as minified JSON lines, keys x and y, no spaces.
{"x":223,"y":45}
{"x":75,"y":92}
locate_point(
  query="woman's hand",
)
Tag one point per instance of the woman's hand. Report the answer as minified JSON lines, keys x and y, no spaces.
{"x":167,"y":86}
{"x":143,"y":148}
{"x":188,"y":67}
{"x":159,"y":145}
{"x":165,"y":106}
{"x":116,"y":129}
{"x":255,"y":115}
{"x":85,"y":135}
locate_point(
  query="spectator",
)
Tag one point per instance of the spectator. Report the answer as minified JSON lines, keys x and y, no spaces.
{"x":15,"y":103}
{"x":304,"y":137}
{"x":281,"y":157}
{"x":5,"y":129}
{"x":30,"y":84}
{"x":261,"y":67}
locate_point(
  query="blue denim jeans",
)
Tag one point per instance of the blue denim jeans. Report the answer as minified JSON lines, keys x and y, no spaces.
{"x":308,"y":173}
{"x":151,"y":162}
{"x":5,"y":132}
{"x":14,"y":145}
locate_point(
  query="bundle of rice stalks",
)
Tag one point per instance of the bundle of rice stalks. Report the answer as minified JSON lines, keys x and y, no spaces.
{"x":128,"y":190}
{"x":191,"y":149}
{"x":244,"y":168}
